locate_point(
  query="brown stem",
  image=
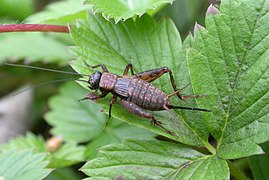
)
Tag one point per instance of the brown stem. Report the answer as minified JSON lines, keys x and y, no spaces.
{"x":33,"y":27}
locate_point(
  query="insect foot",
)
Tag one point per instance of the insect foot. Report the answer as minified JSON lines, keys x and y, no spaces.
{"x":91,"y":96}
{"x":155,"y":122}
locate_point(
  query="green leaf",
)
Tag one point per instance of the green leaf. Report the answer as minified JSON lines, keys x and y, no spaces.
{"x":68,"y":154}
{"x":114,"y":133}
{"x":137,"y":159}
{"x":32,"y":47}
{"x":75,"y":121}
{"x":29,"y":141}
{"x":63,"y":12}
{"x":119,"y":10}
{"x":231,"y":58}
{"x":146,"y":45}
{"x":23,"y":165}
{"x":259,"y":164}
{"x":16,"y":9}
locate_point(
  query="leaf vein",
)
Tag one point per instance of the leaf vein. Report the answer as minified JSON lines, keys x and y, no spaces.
{"x":245,"y":125}
{"x":143,"y":165}
{"x":238,"y":76}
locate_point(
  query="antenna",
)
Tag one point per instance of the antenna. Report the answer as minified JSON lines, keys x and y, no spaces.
{"x":44,"y":69}
{"x":42,"y":84}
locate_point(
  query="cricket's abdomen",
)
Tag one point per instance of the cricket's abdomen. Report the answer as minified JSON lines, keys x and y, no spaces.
{"x":146,"y":95}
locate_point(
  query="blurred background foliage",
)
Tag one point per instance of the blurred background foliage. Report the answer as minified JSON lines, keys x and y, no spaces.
{"x":50,"y":50}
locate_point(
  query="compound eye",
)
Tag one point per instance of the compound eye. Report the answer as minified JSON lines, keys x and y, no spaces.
{"x":95,"y":79}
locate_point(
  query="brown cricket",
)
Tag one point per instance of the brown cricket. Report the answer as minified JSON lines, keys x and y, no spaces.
{"x":135,"y":92}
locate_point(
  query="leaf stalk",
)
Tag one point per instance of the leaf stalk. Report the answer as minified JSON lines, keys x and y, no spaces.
{"x":33,"y":28}
{"x":210,"y":148}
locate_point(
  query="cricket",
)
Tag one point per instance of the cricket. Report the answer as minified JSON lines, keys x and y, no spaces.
{"x":136,"y":93}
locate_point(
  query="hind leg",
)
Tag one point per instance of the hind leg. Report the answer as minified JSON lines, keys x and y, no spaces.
{"x":104,"y":68}
{"x":152,"y":75}
{"x":128,"y":67}
{"x":133,"y":108}
{"x":183,"y":97}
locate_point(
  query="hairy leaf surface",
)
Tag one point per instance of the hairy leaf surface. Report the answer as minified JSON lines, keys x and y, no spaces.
{"x":66,"y":155}
{"x":231,"y":56}
{"x":29,"y":141}
{"x":119,"y":10}
{"x":114,"y":133}
{"x":23,"y":165}
{"x":137,"y":159}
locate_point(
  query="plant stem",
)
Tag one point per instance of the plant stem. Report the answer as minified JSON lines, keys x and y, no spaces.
{"x":33,"y":27}
{"x":236,"y":172}
{"x":210,"y":148}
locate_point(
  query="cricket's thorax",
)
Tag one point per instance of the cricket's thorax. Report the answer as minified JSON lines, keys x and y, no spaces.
{"x":108,"y":81}
{"x":122,"y":87}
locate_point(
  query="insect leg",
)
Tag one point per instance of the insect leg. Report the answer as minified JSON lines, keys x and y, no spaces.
{"x":129,"y":66}
{"x":94,"y":96}
{"x":152,"y":75}
{"x":133,"y":108}
{"x":172,"y":80}
{"x":182,"y":97}
{"x":112,"y":101}
{"x":104,"y":68}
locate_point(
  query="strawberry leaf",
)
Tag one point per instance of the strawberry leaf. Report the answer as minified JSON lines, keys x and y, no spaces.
{"x":119,"y":10}
{"x":137,"y":159}
{"x":231,"y":56}
{"x":23,"y":165}
{"x":75,"y":121}
{"x":66,"y":155}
